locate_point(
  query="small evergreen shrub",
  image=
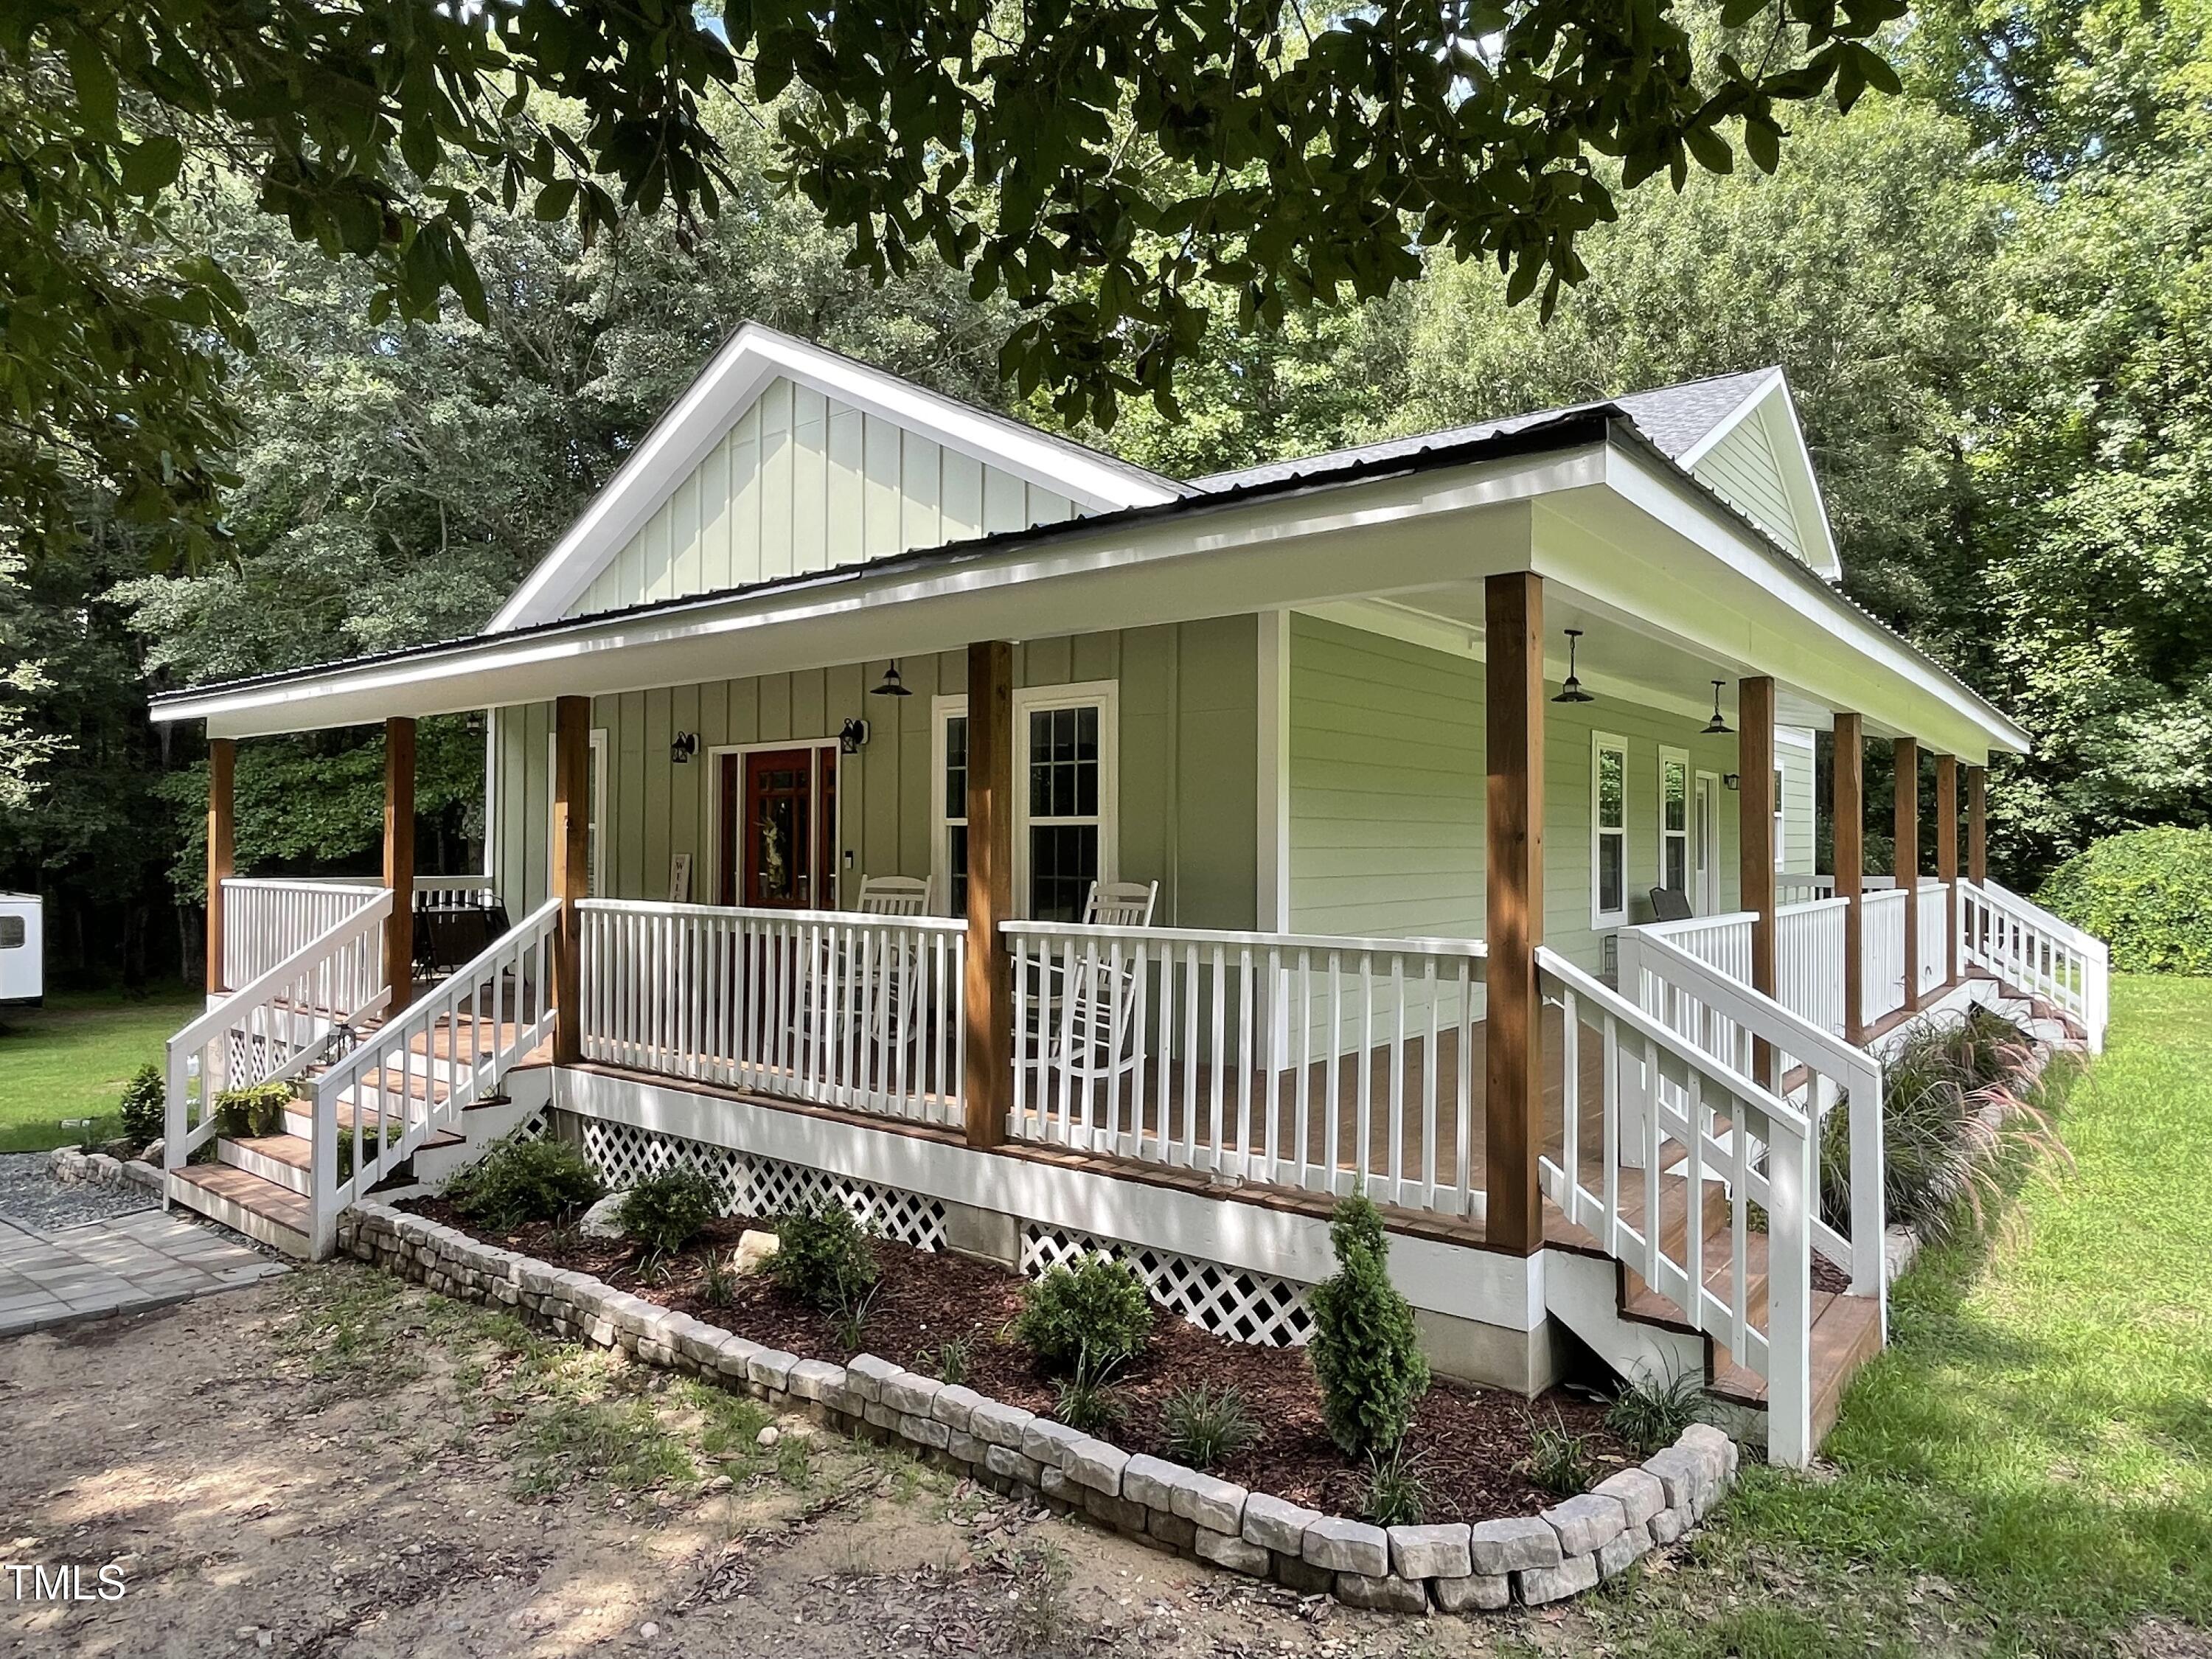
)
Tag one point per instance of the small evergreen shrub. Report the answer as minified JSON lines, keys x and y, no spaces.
{"x":1204,"y":1426}
{"x":1365,"y":1348}
{"x":251,"y":1112}
{"x":1098,"y":1307}
{"x":521,"y":1181}
{"x":665,"y":1213}
{"x":2148,"y":893}
{"x":145,"y":1106}
{"x":823,"y":1257}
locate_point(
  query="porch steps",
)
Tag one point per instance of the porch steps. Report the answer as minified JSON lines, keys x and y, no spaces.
{"x":244,"y":1202}
{"x":1645,"y":1331}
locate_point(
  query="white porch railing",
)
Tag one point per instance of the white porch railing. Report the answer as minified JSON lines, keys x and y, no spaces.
{"x":1808,"y":962}
{"x":1881,"y":954}
{"x":274,"y":1025}
{"x":1312,"y":1062}
{"x":265,"y":920}
{"x":2026,"y":946}
{"x":1674,"y":1130}
{"x":374,"y":1107}
{"x":827,"y":1006}
{"x":1934,"y":899}
{"x":1793,"y":887}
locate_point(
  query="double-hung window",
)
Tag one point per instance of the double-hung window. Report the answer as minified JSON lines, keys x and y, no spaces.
{"x":1065,"y":783}
{"x":1674,"y":820}
{"x":1608,"y":831}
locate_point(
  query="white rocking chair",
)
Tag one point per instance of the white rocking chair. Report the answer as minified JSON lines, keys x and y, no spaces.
{"x":1091,"y":1017}
{"x":894,"y":896}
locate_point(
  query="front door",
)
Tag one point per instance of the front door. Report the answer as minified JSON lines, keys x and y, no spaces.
{"x":778,"y":848}
{"x":1706,"y":891}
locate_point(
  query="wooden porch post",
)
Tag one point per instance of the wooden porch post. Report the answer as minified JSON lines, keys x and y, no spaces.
{"x":1848,"y":760}
{"x":1947,"y":858}
{"x":1755,"y":847}
{"x":221,"y":855}
{"x":1978,"y":826}
{"x":1513,"y":1047}
{"x":1906,"y":866}
{"x":571,"y":824}
{"x":400,"y":859}
{"x":988,"y":1084}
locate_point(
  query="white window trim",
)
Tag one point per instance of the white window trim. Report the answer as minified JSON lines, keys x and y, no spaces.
{"x":1781,"y":816}
{"x":1600,"y":742}
{"x":1687,"y":832}
{"x":1709,"y":890}
{"x":1106,"y":696}
{"x":597,"y":825}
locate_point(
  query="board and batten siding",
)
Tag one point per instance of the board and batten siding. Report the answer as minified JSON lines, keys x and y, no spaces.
{"x":1742,"y":468}
{"x":802,"y":482}
{"x":1387,"y":793}
{"x":1188,"y":772}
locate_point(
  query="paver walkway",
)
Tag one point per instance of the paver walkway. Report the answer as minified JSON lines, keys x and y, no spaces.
{"x":125,"y":1265}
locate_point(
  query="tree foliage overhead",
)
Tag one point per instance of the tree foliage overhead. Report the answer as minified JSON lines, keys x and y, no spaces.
{"x":1145,"y":156}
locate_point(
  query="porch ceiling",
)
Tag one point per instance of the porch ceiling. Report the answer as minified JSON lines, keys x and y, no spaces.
{"x":1674,"y":590}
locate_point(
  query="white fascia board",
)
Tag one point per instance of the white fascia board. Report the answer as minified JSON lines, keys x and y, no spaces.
{"x":1215,"y":558}
{"x":726,"y":388}
{"x":1689,"y":457}
{"x":1680,"y":505}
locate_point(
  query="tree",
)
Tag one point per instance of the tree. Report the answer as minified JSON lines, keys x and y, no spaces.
{"x":1279,"y":154}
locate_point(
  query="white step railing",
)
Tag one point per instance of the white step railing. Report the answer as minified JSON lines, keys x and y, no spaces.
{"x":1720,"y":941}
{"x":266,"y":921}
{"x":1672,"y":1129}
{"x":1881,"y":954}
{"x":1935,"y":940}
{"x":414,"y":1074}
{"x":827,"y":1006}
{"x":276,"y":1024}
{"x":1313,"y":1062}
{"x":2035,"y":951}
{"x":1815,"y":1068}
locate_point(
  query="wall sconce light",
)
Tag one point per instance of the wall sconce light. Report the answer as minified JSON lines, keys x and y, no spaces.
{"x":1572,"y":690}
{"x":852,"y":737}
{"x":893,"y":686}
{"x":1717,"y":727}
{"x":686,"y":746}
{"x":1732,"y":780}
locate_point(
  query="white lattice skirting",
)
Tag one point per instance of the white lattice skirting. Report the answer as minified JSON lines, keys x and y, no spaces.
{"x":1230,"y":1302}
{"x":761,"y":1186}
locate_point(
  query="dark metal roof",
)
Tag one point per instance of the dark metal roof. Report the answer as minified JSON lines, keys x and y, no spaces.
{"x":1673,"y":417}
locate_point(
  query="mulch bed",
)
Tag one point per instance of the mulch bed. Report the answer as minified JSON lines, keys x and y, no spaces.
{"x":1469,"y":1441}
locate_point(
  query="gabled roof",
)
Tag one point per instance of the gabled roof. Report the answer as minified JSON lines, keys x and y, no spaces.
{"x":1683,"y":422}
{"x":726,"y":388}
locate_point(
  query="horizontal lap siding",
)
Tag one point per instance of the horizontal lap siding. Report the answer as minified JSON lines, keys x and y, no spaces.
{"x":1743,"y":468}
{"x":802,"y":482}
{"x":1189,"y":702}
{"x":1794,"y":754}
{"x":1386,"y":786}
{"x":1387,"y":793}
{"x":1568,"y":854}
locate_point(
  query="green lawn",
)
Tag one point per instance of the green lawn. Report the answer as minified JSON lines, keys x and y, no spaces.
{"x":70,"y":1058}
{"x":2028,"y":1469}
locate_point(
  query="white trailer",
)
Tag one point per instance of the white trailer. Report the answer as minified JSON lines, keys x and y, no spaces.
{"x":22,"y":947}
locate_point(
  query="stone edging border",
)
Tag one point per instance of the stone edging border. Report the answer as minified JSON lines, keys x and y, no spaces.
{"x":71,"y":1167}
{"x":1533,"y":1559}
